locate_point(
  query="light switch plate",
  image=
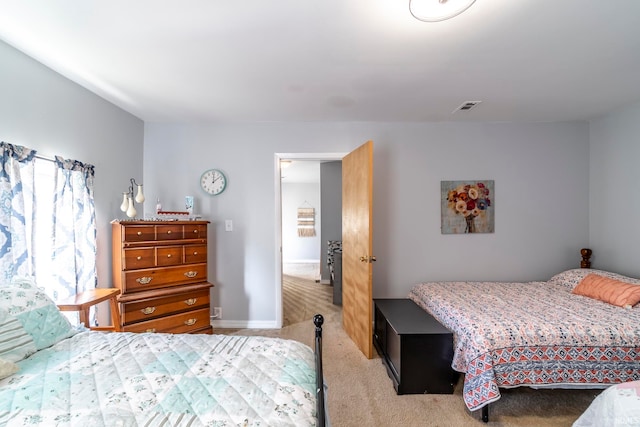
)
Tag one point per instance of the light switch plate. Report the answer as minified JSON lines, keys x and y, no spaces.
{"x":228,"y":225}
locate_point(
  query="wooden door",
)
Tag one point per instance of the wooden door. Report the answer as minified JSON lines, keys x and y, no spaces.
{"x":357,"y":246}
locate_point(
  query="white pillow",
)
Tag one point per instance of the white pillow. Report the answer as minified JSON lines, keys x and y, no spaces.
{"x":571,"y":278}
{"x":37,"y":313}
{"x":7,"y":368}
{"x":15,"y":343}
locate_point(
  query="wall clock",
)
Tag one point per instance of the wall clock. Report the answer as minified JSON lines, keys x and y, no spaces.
{"x":213,"y":181}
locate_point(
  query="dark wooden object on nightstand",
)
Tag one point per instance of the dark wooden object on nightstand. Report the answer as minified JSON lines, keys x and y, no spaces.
{"x":416,"y":350}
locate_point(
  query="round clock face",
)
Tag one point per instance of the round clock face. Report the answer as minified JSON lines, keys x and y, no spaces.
{"x":213,"y":181}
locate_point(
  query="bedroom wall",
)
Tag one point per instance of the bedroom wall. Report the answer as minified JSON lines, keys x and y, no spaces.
{"x":540,"y":170}
{"x":294,"y":247}
{"x":614,"y":197}
{"x":331,"y":204}
{"x":43,"y":110}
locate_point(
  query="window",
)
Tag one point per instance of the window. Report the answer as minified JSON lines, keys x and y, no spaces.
{"x":47,"y":221}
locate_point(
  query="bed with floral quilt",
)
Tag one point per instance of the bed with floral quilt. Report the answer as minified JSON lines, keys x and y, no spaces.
{"x":54,"y":374}
{"x":577,"y":330}
{"x":617,"y":406}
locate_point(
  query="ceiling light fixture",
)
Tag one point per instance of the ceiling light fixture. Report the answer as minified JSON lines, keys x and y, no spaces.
{"x":438,"y":10}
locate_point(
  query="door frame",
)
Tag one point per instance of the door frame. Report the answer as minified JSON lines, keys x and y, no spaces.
{"x":278,"y":216}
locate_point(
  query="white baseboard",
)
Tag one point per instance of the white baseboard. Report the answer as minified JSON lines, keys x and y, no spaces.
{"x":243,"y":324}
{"x":301,"y":261}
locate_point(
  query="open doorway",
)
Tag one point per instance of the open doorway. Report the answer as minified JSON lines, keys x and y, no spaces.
{"x":301,"y":219}
{"x":304,"y":285}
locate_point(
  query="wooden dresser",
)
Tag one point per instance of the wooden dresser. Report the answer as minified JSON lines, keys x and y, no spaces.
{"x":160,"y":268}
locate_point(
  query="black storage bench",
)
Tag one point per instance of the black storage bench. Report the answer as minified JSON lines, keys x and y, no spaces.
{"x":416,"y":350}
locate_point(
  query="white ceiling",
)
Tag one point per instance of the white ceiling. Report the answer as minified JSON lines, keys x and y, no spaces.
{"x":338,"y":60}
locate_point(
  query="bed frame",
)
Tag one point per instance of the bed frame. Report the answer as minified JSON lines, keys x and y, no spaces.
{"x":318,"y":320}
{"x":585,"y":263}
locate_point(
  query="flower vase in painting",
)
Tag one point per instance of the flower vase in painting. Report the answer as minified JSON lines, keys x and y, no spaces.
{"x":467,"y":207}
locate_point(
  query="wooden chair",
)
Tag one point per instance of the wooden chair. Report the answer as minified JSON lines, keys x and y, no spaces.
{"x":84,"y":300}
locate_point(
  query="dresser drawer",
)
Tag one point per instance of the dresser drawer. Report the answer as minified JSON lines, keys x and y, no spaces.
{"x":139,"y":258}
{"x":168,"y":255}
{"x":151,"y":308}
{"x":195,"y":253}
{"x":153,"y":278}
{"x":195,"y":231}
{"x":139,"y":233}
{"x":176,"y":324}
{"x":169,"y":232}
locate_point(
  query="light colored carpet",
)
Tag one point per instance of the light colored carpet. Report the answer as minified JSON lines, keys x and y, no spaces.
{"x":361,"y":393}
{"x":303,"y":298}
{"x":304,"y":270}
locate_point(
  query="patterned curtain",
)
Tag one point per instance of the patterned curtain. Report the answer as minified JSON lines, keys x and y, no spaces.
{"x":74,"y":229}
{"x":16,"y":215}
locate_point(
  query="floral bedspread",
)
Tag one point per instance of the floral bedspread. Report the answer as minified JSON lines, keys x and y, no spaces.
{"x":617,"y":406}
{"x":534,"y":334}
{"x":126,"y":379}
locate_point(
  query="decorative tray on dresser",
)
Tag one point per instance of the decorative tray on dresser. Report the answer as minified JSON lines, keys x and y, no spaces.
{"x":160,"y":268}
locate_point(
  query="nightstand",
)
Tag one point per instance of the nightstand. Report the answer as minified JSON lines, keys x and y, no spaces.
{"x":84,"y":300}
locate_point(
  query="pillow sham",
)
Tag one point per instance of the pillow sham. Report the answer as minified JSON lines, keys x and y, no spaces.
{"x":571,"y":278}
{"x":37,"y":313}
{"x":7,"y":368}
{"x":15,"y":343}
{"x":608,"y":290}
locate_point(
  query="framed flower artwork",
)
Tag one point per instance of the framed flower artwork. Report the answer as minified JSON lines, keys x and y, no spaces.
{"x":467,"y":206}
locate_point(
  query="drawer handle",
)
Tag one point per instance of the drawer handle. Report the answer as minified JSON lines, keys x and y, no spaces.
{"x":169,"y":232}
{"x":190,"y":322}
{"x":191,"y":301}
{"x":139,"y":258}
{"x":148,"y":310}
{"x":152,"y":330}
{"x":139,"y":233}
{"x":168,"y":255}
{"x":195,"y":231}
{"x":144,"y":280}
{"x":191,"y":274}
{"x":195,"y":252}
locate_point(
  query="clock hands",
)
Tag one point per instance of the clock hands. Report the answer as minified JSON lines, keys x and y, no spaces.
{"x":213,"y":181}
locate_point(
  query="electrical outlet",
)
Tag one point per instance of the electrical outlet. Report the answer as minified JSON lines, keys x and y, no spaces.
{"x":217,"y":313}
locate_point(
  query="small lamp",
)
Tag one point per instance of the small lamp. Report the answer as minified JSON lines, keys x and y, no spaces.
{"x":438,"y":10}
{"x":128,"y":201}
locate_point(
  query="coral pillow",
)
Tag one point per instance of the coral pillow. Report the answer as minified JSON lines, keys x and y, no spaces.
{"x":608,"y":290}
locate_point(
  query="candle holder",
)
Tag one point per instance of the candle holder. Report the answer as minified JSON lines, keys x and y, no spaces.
{"x":128,"y":200}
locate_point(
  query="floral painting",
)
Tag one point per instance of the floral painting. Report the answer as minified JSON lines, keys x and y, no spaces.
{"x":467,"y":206}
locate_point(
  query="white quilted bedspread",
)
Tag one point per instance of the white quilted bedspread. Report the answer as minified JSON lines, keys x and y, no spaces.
{"x":126,"y":379}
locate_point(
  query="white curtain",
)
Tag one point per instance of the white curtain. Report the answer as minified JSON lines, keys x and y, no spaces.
{"x":73,"y":229}
{"x":47,"y":222}
{"x":16,"y":215}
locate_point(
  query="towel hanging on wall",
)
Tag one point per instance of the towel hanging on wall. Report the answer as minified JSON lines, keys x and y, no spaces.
{"x":306,"y":222}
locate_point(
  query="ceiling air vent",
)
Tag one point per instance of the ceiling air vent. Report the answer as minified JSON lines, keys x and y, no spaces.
{"x":466,"y":106}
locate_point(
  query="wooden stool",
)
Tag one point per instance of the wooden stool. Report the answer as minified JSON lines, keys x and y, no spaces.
{"x":84,"y":300}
